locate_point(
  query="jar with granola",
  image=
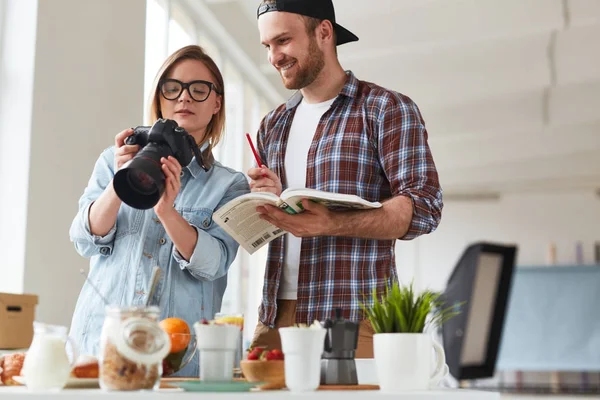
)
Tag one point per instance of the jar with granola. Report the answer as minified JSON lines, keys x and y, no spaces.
{"x":132,"y":348}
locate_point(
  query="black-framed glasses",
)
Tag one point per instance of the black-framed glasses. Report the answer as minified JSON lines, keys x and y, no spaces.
{"x":199,"y":91}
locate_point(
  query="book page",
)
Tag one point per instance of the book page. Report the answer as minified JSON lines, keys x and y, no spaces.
{"x":329,"y":199}
{"x":240,"y":220}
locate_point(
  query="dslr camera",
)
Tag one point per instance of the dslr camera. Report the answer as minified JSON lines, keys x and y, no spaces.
{"x":140,"y":182}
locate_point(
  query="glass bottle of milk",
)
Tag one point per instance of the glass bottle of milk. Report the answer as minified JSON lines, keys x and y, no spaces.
{"x":46,"y":365}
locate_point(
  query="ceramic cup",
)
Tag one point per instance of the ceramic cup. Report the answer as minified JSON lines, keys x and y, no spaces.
{"x":302,"y":348}
{"x":217,"y":345}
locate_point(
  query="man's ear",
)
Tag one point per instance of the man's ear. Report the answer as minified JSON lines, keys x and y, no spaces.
{"x":325,"y":31}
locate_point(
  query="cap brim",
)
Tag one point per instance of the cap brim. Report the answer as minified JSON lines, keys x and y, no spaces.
{"x":344,"y":35}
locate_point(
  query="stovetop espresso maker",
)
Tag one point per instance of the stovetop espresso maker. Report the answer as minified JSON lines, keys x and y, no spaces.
{"x":337,"y":361}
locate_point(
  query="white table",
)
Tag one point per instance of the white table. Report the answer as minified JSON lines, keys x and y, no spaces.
{"x":21,"y":393}
{"x":449,"y":394}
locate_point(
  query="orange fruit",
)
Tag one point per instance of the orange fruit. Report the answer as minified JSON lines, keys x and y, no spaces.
{"x":178,"y":331}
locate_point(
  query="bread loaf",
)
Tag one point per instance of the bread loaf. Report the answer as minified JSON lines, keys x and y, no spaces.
{"x":11,"y":366}
{"x":86,"y":367}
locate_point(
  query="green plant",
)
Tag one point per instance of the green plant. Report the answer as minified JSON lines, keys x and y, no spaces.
{"x":401,"y":310}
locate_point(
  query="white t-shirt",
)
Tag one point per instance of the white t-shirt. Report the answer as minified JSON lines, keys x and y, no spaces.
{"x":301,"y":135}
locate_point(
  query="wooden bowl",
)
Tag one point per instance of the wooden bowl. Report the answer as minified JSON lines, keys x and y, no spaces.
{"x":270,"y":372}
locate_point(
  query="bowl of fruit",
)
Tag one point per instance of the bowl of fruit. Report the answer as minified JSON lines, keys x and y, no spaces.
{"x":265,"y":366}
{"x":183,"y":345}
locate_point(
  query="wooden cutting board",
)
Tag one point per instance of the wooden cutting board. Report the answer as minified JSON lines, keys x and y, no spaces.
{"x":349,"y":387}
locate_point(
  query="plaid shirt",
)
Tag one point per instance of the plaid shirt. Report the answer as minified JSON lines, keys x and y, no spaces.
{"x":371,"y":143}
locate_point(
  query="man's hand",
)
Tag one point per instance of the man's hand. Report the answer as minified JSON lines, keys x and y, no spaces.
{"x":264,"y":180}
{"x":391,"y":221}
{"x":316,"y":220}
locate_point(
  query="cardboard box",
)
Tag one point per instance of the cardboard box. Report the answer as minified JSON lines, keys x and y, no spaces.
{"x":17,"y":312}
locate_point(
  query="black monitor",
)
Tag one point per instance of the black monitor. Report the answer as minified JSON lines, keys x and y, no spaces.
{"x":480,"y":286}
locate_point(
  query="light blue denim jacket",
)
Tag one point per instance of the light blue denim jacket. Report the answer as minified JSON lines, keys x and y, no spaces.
{"x":121,"y":262}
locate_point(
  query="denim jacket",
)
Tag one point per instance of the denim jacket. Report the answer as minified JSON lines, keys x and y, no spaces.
{"x":121,"y":262}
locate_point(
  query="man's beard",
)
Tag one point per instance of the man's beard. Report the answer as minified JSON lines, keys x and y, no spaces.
{"x":315,"y":62}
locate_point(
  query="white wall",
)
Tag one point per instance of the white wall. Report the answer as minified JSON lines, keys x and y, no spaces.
{"x":17,"y":56}
{"x":531,"y":220}
{"x":87,"y":62}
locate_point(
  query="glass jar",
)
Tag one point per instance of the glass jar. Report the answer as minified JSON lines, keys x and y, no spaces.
{"x":132,"y":347}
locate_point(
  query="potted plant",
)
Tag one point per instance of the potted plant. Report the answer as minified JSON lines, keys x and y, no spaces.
{"x":400,"y":318}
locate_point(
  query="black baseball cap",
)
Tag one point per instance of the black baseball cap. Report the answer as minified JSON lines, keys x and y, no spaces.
{"x":320,"y":9}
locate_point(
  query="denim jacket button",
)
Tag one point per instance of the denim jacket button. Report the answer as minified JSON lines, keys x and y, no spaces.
{"x":205,"y":223}
{"x":162,"y":241}
{"x":104,"y":250}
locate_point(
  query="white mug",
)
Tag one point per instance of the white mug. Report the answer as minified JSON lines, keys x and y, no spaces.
{"x":302,"y":348}
{"x":404,"y":361}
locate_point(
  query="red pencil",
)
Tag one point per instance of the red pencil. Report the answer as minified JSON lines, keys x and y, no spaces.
{"x":256,"y":157}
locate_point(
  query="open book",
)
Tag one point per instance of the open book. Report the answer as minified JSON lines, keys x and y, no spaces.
{"x":240,"y":219}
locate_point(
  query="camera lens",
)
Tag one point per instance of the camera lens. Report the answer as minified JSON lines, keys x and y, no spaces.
{"x":141,"y":182}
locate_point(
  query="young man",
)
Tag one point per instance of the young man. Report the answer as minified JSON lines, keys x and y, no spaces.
{"x":336,"y":134}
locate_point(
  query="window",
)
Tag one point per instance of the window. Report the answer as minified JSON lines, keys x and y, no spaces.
{"x":211,"y":49}
{"x":167,"y":29}
{"x":181,"y":29}
{"x":157,"y":19}
{"x":172,"y":24}
{"x":229,"y":153}
{"x":2,"y":5}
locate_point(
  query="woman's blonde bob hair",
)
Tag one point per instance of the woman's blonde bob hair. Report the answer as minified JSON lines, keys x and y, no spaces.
{"x":216,"y":126}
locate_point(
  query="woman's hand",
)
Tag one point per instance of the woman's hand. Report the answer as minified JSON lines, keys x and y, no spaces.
{"x":183,"y":235}
{"x":172,"y":170}
{"x":124,"y":152}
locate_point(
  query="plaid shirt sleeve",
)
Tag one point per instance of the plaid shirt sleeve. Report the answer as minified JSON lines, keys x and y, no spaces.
{"x":408,"y":163}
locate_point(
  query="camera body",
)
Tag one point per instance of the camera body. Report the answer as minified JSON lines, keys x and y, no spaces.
{"x":141,"y":182}
{"x":165,"y":132}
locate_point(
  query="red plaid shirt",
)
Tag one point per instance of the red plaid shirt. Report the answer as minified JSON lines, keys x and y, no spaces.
{"x":372,"y":143}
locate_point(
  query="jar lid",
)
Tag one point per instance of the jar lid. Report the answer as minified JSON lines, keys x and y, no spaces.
{"x":132,"y":310}
{"x":142,"y":341}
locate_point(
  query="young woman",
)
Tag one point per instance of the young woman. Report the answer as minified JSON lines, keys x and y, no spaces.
{"x":177,"y":234}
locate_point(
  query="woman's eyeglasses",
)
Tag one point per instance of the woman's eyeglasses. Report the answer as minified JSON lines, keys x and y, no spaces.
{"x":199,"y":91}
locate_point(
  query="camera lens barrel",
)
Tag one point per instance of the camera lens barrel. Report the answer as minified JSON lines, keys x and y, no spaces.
{"x":141,"y":182}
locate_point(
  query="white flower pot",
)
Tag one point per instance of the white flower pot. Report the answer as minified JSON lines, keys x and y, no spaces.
{"x":404,"y":361}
